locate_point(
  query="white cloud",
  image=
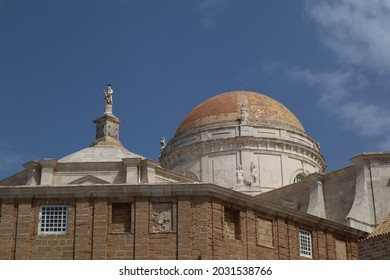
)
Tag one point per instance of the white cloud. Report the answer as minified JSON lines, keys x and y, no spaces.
{"x":357,"y":31}
{"x":367,"y":119}
{"x":332,"y":85}
{"x":335,"y":89}
{"x":210,"y":10}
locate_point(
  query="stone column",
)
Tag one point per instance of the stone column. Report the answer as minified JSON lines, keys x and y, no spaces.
{"x":47,"y":170}
{"x":246,"y":159}
{"x":204,"y":169}
{"x":184,"y":228}
{"x":141,"y":228}
{"x":286,"y":169}
{"x":24,"y":230}
{"x":100,"y":211}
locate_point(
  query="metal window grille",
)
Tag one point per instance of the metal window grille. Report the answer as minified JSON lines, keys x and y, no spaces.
{"x":305,"y":243}
{"x":53,"y":219}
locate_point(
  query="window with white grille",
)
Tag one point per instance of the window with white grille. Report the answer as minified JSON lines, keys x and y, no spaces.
{"x":53,"y":219}
{"x":305,"y":243}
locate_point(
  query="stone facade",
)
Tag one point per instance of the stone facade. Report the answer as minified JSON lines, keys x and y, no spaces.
{"x":162,"y":222}
{"x":356,"y":196}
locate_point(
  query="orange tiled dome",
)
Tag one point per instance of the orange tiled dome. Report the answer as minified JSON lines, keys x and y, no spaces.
{"x":225,"y":108}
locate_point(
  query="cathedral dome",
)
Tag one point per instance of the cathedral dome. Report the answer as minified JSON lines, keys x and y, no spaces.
{"x":225,"y":108}
{"x":244,"y":141}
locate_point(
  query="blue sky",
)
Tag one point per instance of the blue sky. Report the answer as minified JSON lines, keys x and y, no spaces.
{"x":326,"y":60}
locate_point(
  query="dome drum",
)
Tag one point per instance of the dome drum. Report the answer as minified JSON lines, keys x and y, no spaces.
{"x":244,"y":141}
{"x":276,"y":161}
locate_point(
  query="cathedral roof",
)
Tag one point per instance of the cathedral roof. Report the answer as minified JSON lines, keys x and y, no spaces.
{"x":225,"y":108}
{"x":382,"y":228}
{"x":99,"y":154}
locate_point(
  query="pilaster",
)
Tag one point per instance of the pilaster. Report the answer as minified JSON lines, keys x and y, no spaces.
{"x":132,"y":170}
{"x":47,"y":171}
{"x":148,"y":172}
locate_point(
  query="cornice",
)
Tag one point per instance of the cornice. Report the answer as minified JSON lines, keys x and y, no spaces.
{"x":257,"y":145}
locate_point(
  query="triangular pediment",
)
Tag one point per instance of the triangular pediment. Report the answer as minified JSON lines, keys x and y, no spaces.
{"x":88,"y":180}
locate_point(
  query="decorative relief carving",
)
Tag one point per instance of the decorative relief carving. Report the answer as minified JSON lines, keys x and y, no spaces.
{"x":161,"y":217}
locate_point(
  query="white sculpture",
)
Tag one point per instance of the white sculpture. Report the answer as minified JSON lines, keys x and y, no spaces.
{"x":253,"y":169}
{"x":163,"y":144}
{"x":244,"y":114}
{"x":240,"y":176}
{"x":108,"y":95}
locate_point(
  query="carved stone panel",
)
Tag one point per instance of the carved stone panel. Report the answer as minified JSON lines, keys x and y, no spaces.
{"x":162,"y":217}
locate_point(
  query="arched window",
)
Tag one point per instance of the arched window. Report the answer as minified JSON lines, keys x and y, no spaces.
{"x":299,"y":178}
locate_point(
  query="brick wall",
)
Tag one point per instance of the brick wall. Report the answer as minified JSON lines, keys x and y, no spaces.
{"x":175,"y":227}
{"x":375,"y":248}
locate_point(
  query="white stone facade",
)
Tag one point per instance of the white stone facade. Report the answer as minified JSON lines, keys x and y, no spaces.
{"x":357,"y":196}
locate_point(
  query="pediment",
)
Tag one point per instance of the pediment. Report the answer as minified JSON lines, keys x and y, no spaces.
{"x":88,"y":180}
